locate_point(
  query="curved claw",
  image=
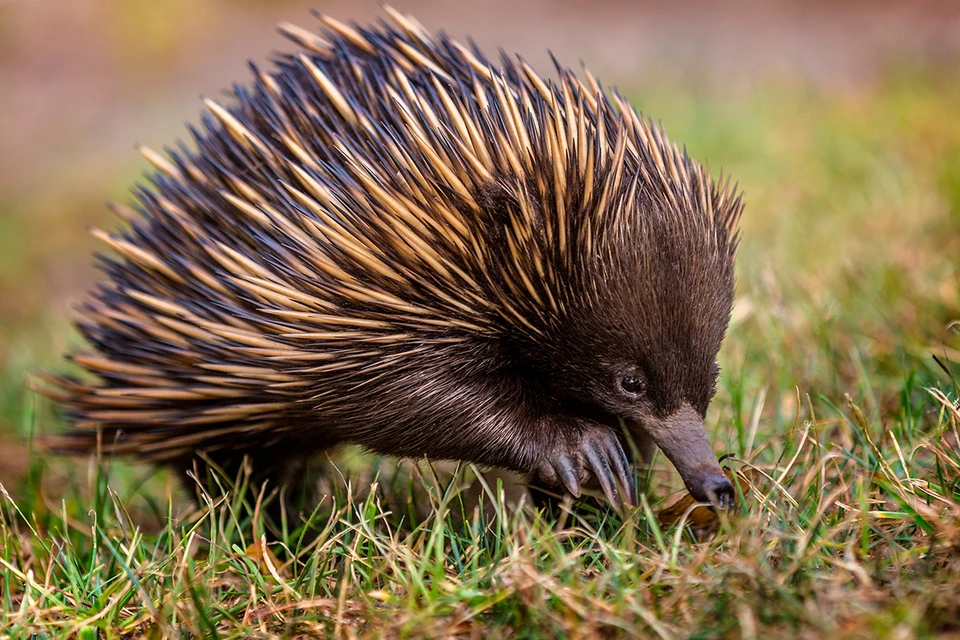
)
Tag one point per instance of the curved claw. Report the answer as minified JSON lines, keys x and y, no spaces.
{"x":602,"y":472}
{"x":621,"y":467}
{"x":595,"y":453}
{"x":568,"y":474}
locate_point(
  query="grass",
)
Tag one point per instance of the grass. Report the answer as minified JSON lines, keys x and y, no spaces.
{"x":844,"y":429}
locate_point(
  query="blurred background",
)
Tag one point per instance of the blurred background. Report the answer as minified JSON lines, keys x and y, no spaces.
{"x":839,"y":120}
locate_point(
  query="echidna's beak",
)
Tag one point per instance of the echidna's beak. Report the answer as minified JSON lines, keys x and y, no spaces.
{"x":682,"y":439}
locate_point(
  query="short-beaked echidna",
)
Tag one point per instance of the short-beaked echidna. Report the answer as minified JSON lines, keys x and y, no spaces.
{"x":391,"y":241}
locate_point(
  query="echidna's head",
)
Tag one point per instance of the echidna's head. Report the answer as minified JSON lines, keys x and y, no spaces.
{"x":641,"y":344}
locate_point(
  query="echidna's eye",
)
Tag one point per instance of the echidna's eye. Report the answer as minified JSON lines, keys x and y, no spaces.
{"x":631,"y":385}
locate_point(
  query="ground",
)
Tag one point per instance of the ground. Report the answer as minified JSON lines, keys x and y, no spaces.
{"x":836,"y":403}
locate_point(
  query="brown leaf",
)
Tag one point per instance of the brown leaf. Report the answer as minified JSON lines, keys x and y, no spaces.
{"x":260,"y":553}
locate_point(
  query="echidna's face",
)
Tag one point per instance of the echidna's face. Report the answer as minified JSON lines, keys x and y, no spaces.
{"x":645,"y":351}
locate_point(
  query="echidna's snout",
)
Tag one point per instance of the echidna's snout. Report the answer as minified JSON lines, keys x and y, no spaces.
{"x":682,"y":439}
{"x":714,"y":488}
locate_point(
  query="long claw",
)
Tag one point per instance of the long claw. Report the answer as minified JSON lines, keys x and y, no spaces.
{"x":621,"y":467}
{"x":602,"y":472}
{"x":568,"y":474}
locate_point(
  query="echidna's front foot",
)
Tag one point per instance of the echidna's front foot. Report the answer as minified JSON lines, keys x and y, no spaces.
{"x":596,"y":453}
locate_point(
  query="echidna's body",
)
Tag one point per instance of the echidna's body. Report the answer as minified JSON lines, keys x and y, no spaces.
{"x":393,"y":242}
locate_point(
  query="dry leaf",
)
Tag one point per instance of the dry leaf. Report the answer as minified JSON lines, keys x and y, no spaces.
{"x":257,"y":552}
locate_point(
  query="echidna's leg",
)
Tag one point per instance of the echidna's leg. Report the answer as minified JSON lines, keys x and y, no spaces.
{"x":545,"y":493}
{"x":490,"y":418}
{"x":589,"y":452}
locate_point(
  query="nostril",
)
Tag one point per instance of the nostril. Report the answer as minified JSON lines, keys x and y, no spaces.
{"x":718,"y":490}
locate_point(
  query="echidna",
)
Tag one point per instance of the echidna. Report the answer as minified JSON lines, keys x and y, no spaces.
{"x":391,"y":241}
